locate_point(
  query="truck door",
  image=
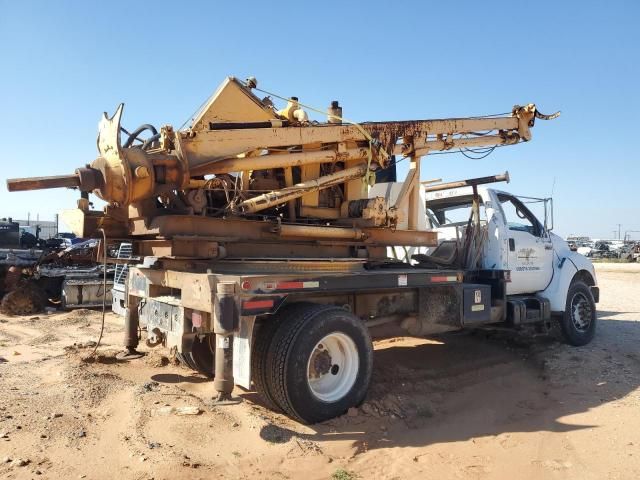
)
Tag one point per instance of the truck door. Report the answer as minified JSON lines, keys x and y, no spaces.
{"x":530,"y":252}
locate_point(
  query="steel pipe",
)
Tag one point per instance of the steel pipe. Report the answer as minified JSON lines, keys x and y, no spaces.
{"x":424,"y":147}
{"x":40,"y":183}
{"x":504,"y":177}
{"x":309,"y":231}
{"x":283,"y":160}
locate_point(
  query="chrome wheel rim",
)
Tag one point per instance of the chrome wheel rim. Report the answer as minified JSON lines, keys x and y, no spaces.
{"x":581,"y":312}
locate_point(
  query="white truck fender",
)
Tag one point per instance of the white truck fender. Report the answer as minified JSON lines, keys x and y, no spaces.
{"x":566,"y":265}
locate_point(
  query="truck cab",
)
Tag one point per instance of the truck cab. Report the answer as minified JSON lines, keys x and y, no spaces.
{"x":543,"y":270}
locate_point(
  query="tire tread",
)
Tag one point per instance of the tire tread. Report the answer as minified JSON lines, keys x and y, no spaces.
{"x":568,"y":334}
{"x":277,"y":361}
{"x":261,"y":347}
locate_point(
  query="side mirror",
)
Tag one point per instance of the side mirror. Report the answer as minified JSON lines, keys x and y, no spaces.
{"x":548,"y":214}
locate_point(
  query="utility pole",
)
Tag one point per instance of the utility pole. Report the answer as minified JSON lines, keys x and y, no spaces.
{"x":619,"y":227}
{"x":627,"y":234}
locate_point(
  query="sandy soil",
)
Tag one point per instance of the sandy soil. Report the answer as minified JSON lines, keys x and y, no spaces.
{"x":466,"y":405}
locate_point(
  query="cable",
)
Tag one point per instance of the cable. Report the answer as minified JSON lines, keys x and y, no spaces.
{"x":480,"y":157}
{"x":104,"y":292}
{"x":196,"y":112}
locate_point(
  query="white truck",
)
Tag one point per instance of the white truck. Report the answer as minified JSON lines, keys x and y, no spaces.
{"x":546,"y":277}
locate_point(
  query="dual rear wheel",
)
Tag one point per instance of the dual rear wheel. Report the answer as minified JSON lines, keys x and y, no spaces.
{"x":312,"y":361}
{"x":201,"y":357}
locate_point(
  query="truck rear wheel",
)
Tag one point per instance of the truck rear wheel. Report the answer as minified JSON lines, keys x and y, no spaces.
{"x":202,"y":355}
{"x":201,"y":358}
{"x":319,"y":364}
{"x":578,"y":322}
{"x":264,"y":336}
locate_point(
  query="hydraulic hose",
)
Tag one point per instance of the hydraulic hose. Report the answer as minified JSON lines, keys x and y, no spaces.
{"x":137,"y":132}
{"x":147,"y":143}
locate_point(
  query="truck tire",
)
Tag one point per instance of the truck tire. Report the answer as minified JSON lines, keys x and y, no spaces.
{"x":578,"y":322}
{"x":201,"y":358}
{"x":186,"y":361}
{"x":202,"y":355}
{"x":264,"y":336}
{"x":319,"y":364}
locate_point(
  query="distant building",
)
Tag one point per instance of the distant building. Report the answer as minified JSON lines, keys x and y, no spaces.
{"x":48,"y":228}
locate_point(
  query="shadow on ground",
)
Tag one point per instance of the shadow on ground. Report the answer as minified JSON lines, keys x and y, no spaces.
{"x":177,"y":378}
{"x":465,"y":386}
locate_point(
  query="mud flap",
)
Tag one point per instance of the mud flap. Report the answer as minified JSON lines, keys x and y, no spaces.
{"x":242,"y":352}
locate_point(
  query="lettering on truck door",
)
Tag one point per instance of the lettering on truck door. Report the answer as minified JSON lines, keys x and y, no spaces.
{"x":530,"y":253}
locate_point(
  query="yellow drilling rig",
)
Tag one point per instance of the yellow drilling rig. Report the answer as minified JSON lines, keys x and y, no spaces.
{"x":264,"y":237}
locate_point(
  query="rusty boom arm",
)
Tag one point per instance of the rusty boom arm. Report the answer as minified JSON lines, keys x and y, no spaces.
{"x":242,"y":158}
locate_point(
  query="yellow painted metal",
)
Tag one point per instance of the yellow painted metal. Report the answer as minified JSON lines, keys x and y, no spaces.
{"x":320,"y":212}
{"x":283,"y":160}
{"x":291,"y":204}
{"x":270,"y":199}
{"x":237,"y":133}
{"x":232,"y":102}
{"x":308,"y":231}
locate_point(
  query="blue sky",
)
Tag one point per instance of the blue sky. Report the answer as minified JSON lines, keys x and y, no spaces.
{"x":64,"y":63}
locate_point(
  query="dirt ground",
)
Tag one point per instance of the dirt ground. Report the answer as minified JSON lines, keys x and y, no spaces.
{"x":457,"y":406}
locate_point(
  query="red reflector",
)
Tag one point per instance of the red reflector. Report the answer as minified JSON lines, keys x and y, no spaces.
{"x":254,"y":304}
{"x":289,"y":285}
{"x":196,"y":319}
{"x":448,"y":278}
{"x":297,"y":285}
{"x":246,"y":285}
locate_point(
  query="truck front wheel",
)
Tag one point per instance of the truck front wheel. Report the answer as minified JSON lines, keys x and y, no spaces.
{"x":320,"y":363}
{"x":578,"y":323}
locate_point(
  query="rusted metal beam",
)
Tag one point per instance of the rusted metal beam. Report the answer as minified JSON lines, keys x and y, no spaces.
{"x":191,"y":247}
{"x":39,"y":183}
{"x":504,"y":177}
{"x":311,"y":231}
{"x":285,"y":160}
{"x":207,"y":146}
{"x":235,"y":230}
{"x":423,"y":147}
